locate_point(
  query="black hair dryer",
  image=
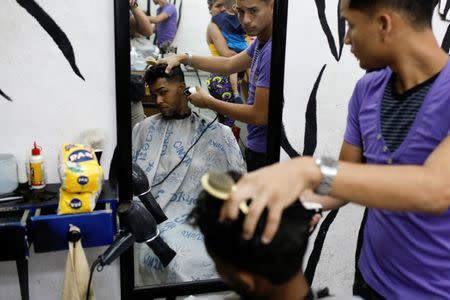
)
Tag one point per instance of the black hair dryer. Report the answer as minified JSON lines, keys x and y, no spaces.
{"x":143,"y":226}
{"x":141,"y":189}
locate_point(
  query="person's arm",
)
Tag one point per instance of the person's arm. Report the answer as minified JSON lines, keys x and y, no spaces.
{"x":159,"y":18}
{"x":139,"y":22}
{"x":219,"y":41}
{"x":349,"y":153}
{"x":424,"y":189}
{"x":255,"y":114}
{"x":212,"y":64}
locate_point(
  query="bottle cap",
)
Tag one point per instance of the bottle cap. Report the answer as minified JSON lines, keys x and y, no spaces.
{"x":36,"y":150}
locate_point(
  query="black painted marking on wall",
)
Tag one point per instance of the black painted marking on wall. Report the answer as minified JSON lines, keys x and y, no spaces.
{"x":318,"y":245}
{"x":359,"y":241}
{"x":446,"y":10}
{"x":5,"y":96}
{"x":310,"y":140}
{"x":286,"y":145}
{"x":53,"y":30}
{"x":341,"y":29}
{"x":320,"y":4}
{"x":446,"y":41}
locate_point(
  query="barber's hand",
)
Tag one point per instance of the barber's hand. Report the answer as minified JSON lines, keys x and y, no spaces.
{"x":275,"y":187}
{"x":171,"y":61}
{"x":200,"y":99}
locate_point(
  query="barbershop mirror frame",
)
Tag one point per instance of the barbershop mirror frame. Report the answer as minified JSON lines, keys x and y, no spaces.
{"x":122,"y":59}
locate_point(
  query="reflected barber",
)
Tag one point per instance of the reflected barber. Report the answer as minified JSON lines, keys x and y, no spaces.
{"x":256,"y":18}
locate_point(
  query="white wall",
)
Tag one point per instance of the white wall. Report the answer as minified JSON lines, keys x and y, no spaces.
{"x":307,"y":52}
{"x":52,"y":106}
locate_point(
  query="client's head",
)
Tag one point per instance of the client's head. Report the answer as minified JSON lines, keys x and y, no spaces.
{"x":251,"y":268}
{"x":167,"y":88}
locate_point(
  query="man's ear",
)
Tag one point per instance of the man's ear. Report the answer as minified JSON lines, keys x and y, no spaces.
{"x":181,"y":88}
{"x":385,"y":22}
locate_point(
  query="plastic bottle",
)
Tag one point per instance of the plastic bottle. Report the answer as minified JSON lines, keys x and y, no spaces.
{"x":37,"y":169}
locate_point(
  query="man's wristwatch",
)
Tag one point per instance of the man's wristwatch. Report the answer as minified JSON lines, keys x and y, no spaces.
{"x":189,"y":55}
{"x":328,"y":169}
{"x":134,"y":6}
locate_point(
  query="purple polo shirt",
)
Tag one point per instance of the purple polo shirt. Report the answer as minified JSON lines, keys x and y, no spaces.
{"x":259,"y":77}
{"x":167,"y":29}
{"x":404,"y":255}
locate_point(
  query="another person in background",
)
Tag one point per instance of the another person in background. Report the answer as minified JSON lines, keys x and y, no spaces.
{"x":166,"y":23}
{"x":226,"y":37}
{"x":256,"y":18}
{"x":220,"y":86}
{"x":139,"y":22}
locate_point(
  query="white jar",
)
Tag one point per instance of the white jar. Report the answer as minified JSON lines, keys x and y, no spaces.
{"x":8,"y":173}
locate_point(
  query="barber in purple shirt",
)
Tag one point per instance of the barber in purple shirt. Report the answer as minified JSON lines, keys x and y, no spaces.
{"x":166,"y":23}
{"x":256,"y":18}
{"x":395,"y":157}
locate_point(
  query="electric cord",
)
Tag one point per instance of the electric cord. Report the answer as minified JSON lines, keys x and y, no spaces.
{"x":95,"y":265}
{"x":184,"y":156}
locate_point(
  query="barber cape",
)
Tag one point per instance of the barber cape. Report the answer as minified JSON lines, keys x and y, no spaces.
{"x":158,"y":146}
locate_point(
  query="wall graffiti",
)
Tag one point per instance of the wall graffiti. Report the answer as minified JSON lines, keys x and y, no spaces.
{"x":55,"y":32}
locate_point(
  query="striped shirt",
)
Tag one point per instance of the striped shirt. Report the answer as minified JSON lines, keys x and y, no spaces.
{"x":398,"y":111}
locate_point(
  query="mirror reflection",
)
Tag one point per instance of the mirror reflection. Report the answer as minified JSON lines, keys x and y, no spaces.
{"x":198,"y":105}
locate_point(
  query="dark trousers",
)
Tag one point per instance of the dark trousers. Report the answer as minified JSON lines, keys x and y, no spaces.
{"x":362,"y":289}
{"x":255,"y":160}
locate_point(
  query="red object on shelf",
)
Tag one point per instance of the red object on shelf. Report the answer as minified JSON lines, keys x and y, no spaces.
{"x":36,"y":150}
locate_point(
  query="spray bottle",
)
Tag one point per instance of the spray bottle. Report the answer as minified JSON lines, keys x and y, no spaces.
{"x":37,"y":169}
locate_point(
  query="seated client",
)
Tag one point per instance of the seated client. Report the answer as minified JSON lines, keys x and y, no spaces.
{"x":175,"y":148}
{"x":252,"y":269}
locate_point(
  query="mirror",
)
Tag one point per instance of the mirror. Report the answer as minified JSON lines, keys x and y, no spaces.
{"x":175,"y":151}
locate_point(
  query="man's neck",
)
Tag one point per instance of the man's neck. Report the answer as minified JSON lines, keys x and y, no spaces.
{"x":265,"y":35}
{"x":162,"y":3}
{"x":183,"y":112}
{"x":295,"y":289}
{"x":418,"y":60}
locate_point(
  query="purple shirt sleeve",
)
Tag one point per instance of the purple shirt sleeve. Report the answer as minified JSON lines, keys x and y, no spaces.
{"x":352,"y":133}
{"x":169,"y":10}
{"x":264,"y":65}
{"x":251,"y":49}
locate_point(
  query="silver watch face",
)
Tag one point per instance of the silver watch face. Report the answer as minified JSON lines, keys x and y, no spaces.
{"x":328,"y":170}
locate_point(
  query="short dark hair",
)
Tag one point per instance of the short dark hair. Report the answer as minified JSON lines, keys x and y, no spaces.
{"x":419,"y":12}
{"x":278,"y":261}
{"x":159,"y":71}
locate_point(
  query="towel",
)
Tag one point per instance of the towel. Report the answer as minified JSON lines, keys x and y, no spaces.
{"x":76,"y":274}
